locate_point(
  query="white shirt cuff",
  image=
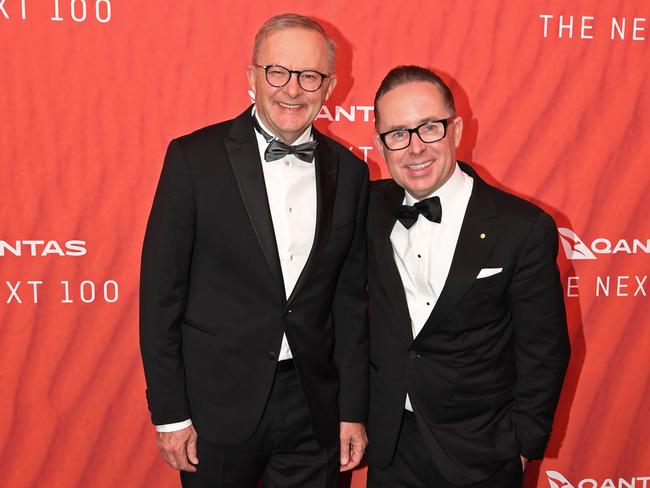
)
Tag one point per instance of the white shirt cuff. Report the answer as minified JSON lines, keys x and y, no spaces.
{"x":174,"y":427}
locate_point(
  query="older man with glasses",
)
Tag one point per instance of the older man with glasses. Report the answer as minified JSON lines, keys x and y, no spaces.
{"x":253,"y":303}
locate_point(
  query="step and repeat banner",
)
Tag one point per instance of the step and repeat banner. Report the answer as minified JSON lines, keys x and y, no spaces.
{"x":555,"y":96}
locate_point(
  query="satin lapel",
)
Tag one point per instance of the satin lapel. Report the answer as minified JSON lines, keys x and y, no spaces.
{"x":383,"y":221}
{"x":244,"y":158}
{"x":478,"y":234}
{"x":327,"y":166}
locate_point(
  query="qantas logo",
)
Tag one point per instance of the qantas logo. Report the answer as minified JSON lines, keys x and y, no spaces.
{"x":575,"y":248}
{"x":557,"y":480}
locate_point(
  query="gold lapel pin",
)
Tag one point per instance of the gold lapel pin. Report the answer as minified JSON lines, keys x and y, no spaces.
{"x":482,"y":235}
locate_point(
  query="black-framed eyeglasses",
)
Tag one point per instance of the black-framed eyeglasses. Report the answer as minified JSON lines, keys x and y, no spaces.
{"x":278,"y":76}
{"x":431,"y":131}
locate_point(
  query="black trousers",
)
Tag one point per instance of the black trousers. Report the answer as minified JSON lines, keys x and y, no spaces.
{"x":282,"y":453}
{"x":413,"y":467}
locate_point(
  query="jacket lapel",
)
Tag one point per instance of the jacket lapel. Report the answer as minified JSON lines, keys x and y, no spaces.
{"x":244,"y":158}
{"x":391,"y":197}
{"x":478,"y":235}
{"x":327,"y":165}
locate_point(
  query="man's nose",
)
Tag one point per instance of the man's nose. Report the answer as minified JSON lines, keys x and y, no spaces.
{"x":416,"y":146}
{"x":293,"y":87}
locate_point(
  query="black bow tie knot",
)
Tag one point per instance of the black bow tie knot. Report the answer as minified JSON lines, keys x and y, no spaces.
{"x":278,"y":149}
{"x":430,"y":208}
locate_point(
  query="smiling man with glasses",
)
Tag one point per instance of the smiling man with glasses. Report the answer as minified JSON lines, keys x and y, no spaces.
{"x":253,"y":322}
{"x":468,"y":332}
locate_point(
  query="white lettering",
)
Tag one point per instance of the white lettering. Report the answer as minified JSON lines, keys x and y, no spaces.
{"x":115,"y":295}
{"x":645,"y":480}
{"x":14,"y":250}
{"x":35,"y":285}
{"x":14,"y":292}
{"x":608,"y":483}
{"x":639,"y":246}
{"x":107,"y":14}
{"x":625,"y":484}
{"x":582,"y":484}
{"x":32,"y":245}
{"x":546,"y":18}
{"x":365,"y":150}
{"x":616,"y":27}
{"x":348,"y":115}
{"x":366,"y":109}
{"x":568,"y":27}
{"x":56,"y":16}
{"x":636,"y":29}
{"x":601,"y":285}
{"x":325,"y":114}
{"x":66,"y":292}
{"x":639,"y":285}
{"x":585,"y":27}
{"x":76,"y":248}
{"x":622,"y":245}
{"x":572,"y":283}
{"x":82,"y":291}
{"x":52,"y":247}
{"x":597,"y":248}
{"x":2,"y":9}
{"x":621,"y":284}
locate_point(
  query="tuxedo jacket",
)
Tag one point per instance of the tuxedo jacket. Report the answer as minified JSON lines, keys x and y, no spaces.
{"x":213,"y":307}
{"x":485,"y":372}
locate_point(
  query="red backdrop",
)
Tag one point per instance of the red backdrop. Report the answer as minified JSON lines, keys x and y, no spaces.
{"x":554,"y":95}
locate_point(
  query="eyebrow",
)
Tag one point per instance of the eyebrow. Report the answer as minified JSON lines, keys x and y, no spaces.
{"x":420,"y":122}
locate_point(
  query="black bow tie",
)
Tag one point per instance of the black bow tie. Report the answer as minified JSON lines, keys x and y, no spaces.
{"x":430,"y":208}
{"x":278,"y":149}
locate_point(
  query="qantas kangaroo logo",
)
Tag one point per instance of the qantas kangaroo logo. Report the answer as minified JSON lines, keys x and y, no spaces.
{"x":557,"y":480}
{"x":573,"y":246}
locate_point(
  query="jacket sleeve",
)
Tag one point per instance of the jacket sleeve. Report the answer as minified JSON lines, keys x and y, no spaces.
{"x":540,"y":337}
{"x":164,"y":278}
{"x":350,"y":314}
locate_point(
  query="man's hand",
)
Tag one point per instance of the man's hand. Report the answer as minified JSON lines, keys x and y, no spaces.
{"x":524,"y":461}
{"x":353,"y":444}
{"x":178,"y":448}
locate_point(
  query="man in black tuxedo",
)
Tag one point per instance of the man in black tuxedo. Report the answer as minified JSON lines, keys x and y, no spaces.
{"x":468,"y":329}
{"x":253,"y":305}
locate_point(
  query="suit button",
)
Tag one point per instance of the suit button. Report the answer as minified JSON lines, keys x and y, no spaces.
{"x":271,"y":355}
{"x":413,"y":354}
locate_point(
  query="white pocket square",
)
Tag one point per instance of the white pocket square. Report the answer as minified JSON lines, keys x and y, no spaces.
{"x":485,"y":272}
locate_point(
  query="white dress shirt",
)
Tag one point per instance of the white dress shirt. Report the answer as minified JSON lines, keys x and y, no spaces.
{"x":291,"y":190}
{"x":423,"y":253}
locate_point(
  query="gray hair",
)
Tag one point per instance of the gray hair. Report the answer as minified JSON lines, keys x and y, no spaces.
{"x":292,"y":21}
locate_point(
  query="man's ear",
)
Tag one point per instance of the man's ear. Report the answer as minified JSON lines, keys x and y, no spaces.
{"x":250,"y":74}
{"x":458,"y":130}
{"x":330,"y":86}
{"x":380,"y":146}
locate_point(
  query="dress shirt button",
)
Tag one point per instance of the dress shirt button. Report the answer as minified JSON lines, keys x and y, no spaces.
{"x":428,"y":303}
{"x":419,"y":256}
{"x":413,"y":354}
{"x":290,"y":257}
{"x":290,"y":209}
{"x":286,"y":162}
